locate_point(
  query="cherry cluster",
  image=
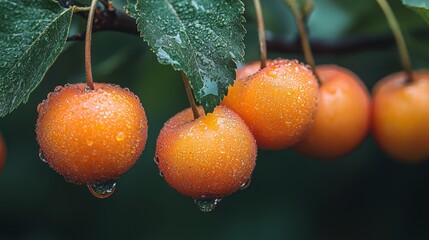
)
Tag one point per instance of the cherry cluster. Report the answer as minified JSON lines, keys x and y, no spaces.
{"x":95,"y":132}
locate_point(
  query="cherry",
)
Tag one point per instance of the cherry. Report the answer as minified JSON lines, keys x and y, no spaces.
{"x":91,"y":136}
{"x":343,"y":117}
{"x":278,"y":102}
{"x":207,"y":158}
{"x":401,"y":116}
{"x":2,"y":152}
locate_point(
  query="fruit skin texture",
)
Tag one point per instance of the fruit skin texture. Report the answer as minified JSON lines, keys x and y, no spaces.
{"x":343,"y":116}
{"x":401,"y":116}
{"x":278,"y":103}
{"x":2,"y":152}
{"x":91,"y":136}
{"x":209,"y":157}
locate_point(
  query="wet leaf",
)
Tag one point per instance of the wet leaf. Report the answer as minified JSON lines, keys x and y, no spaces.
{"x":203,"y":38}
{"x":420,"y":6}
{"x":32,"y":35}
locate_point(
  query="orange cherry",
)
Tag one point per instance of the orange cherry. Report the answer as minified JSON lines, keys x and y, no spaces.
{"x":207,"y":158}
{"x":343,"y":117}
{"x":401,"y":116}
{"x":278,"y":103}
{"x":91,"y":136}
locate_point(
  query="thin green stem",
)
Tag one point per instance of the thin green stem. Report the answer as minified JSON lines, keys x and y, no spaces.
{"x":399,"y":37}
{"x":261,"y":33}
{"x":190,"y":95}
{"x":88,"y":38}
{"x":308,"y":8}
{"x":304,"y":36}
{"x":76,"y":9}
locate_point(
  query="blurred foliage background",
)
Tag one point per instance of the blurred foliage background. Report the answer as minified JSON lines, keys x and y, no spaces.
{"x":365,"y":195}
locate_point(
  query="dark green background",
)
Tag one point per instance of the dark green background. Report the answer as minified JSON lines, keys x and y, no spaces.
{"x":363,"y":196}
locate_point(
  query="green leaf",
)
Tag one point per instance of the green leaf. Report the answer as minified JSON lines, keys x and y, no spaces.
{"x":130,"y":8}
{"x":420,"y":6}
{"x":203,"y":38}
{"x":32,"y":35}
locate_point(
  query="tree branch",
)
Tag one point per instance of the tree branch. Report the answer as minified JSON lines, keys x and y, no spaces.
{"x":106,"y":19}
{"x":111,"y":19}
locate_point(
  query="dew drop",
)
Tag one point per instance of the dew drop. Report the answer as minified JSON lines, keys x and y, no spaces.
{"x":102,"y":190}
{"x":89,"y":142}
{"x":42,"y":156}
{"x":58,"y":88}
{"x":161,"y":174}
{"x":246,"y":184}
{"x":39,"y":107}
{"x":207,"y":205}
{"x":87,"y":89}
{"x":120,"y":136}
{"x":68,"y":179}
{"x":156,"y":160}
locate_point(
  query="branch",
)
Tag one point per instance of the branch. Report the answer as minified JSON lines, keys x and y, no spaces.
{"x":111,"y":19}
{"x":107,"y":19}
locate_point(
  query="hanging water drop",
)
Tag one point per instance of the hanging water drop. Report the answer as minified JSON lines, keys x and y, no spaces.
{"x":246,"y":184}
{"x":103,"y":190}
{"x":42,"y":156}
{"x":161,"y":174}
{"x":207,"y":205}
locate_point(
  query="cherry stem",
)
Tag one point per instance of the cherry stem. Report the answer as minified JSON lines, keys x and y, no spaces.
{"x":190,"y":95}
{"x":399,"y":38}
{"x":88,"y":38}
{"x":261,"y":33}
{"x":308,"y":55}
{"x":308,"y":8}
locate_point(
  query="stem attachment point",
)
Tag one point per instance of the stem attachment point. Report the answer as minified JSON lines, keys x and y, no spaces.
{"x":305,"y":42}
{"x":88,"y":38}
{"x":399,"y":38}
{"x":261,"y":33}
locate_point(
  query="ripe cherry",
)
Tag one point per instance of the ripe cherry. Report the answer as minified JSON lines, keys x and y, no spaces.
{"x":2,"y":152}
{"x":343,"y":116}
{"x":207,"y":158}
{"x":278,"y":103}
{"x":91,"y":136}
{"x":401,"y":116}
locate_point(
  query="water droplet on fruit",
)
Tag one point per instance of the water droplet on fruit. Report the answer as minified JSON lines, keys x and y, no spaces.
{"x":207,"y":205}
{"x":39,"y":107}
{"x":42,"y":156}
{"x":87,"y":89}
{"x":58,"y":89}
{"x":102,"y":190}
{"x":120,"y":136}
{"x":161,"y":174}
{"x":156,"y":160}
{"x":89,"y":142}
{"x":246,"y":184}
